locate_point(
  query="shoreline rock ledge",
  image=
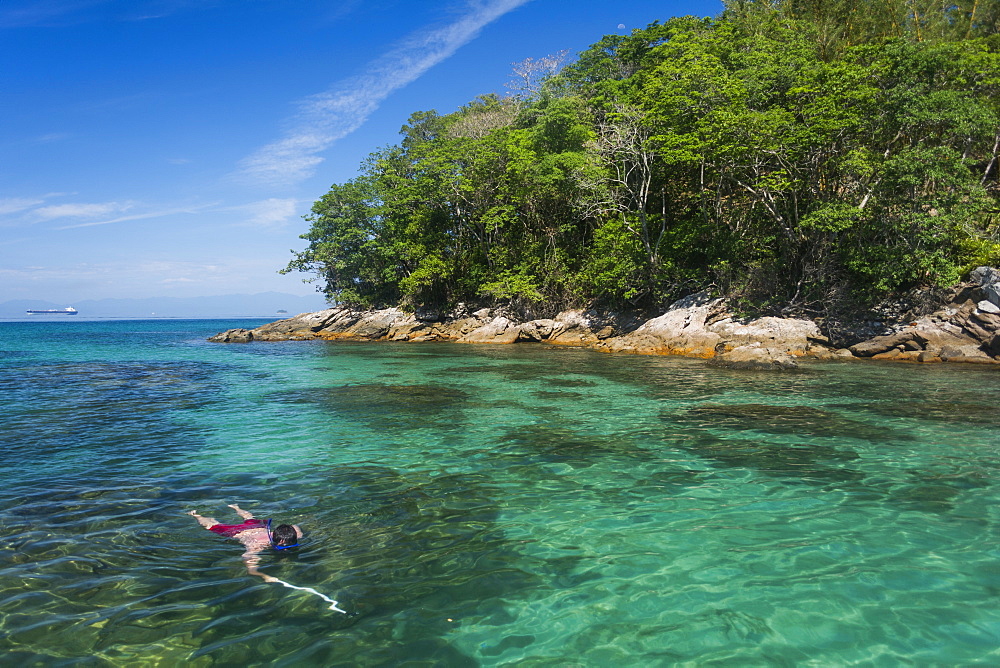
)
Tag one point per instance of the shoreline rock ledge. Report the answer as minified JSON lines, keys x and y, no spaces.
{"x":965,"y":328}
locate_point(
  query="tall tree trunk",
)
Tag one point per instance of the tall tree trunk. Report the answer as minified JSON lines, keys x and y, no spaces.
{"x":993,"y":161}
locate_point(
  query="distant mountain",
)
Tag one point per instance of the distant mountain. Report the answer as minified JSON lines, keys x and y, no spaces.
{"x":265,"y":304}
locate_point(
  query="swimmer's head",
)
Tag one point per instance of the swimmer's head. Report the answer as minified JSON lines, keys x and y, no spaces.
{"x":284,"y":536}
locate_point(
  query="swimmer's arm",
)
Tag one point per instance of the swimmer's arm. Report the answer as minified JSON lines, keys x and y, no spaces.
{"x":251,"y":559}
{"x":242,"y":513}
{"x":207,"y":522}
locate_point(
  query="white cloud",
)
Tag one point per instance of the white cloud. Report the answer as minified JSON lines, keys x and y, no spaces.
{"x":138,"y":216}
{"x":50,"y":138}
{"x":11,"y":205}
{"x":273,"y":212}
{"x":25,"y":211}
{"x":81,"y":210}
{"x":334,"y":114}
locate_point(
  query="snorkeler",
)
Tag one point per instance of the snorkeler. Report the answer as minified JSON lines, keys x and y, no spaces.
{"x":256,"y":536}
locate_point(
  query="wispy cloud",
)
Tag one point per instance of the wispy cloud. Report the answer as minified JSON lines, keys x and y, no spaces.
{"x":70,"y":210}
{"x":43,"y":12}
{"x":11,"y":205}
{"x":138,"y":216}
{"x":24,"y":211}
{"x":271,"y":213}
{"x":52,"y":13}
{"x":28,"y":212}
{"x":50,"y":138}
{"x":329,"y":116}
{"x":149,"y":272}
{"x":157,"y":9}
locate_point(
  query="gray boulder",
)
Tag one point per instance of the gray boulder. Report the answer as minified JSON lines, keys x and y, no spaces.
{"x":788,"y":334}
{"x":572,"y":328}
{"x":537,"y":330}
{"x":987,"y":306}
{"x":372,"y":326}
{"x":497,"y":330}
{"x":988,"y":280}
{"x":238,"y":335}
{"x":701,"y":326}
{"x":681,"y":330}
{"x":754,"y":358}
{"x":953,"y":334}
{"x":303,"y":325}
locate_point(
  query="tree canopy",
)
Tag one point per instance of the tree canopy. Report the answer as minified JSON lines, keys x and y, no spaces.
{"x":800,"y":155}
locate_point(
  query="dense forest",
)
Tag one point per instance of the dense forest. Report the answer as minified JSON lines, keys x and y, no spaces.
{"x":800,"y":156}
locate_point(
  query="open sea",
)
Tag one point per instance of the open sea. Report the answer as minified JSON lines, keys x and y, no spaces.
{"x":488,"y":505}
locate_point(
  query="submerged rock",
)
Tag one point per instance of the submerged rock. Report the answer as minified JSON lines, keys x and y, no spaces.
{"x":779,"y":419}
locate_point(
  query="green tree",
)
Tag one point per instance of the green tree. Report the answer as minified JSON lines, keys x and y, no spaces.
{"x":802,"y":155}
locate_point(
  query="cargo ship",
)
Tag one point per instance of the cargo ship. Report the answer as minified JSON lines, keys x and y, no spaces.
{"x":69,"y":310}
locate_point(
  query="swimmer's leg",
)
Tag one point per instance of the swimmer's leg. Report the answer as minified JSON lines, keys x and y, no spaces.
{"x":207,"y":522}
{"x":242,"y":513}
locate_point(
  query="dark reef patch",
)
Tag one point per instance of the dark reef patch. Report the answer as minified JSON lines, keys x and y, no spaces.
{"x":570,"y":382}
{"x":805,"y":462}
{"x":803,"y":421}
{"x":558,"y":395}
{"x":550,"y":443}
{"x":388,"y":406}
{"x":982,"y":413}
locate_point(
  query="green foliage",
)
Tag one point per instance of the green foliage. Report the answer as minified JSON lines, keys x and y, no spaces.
{"x":795,"y":153}
{"x":513,"y":285}
{"x":614,"y":266}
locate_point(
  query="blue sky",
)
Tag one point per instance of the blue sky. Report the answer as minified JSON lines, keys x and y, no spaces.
{"x":170,"y":147}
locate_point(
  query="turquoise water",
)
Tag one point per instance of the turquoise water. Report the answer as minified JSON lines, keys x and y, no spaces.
{"x":486,"y":506}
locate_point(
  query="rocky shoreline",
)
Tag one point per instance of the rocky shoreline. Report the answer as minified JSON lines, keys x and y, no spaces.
{"x":964,"y":327}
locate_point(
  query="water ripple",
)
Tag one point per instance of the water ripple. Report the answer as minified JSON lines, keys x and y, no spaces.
{"x":489,"y":506}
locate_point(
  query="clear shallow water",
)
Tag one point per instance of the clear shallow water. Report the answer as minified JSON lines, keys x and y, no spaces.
{"x":470,"y":505}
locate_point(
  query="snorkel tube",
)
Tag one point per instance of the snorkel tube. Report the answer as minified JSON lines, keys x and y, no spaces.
{"x":333,"y":603}
{"x":270,"y":539}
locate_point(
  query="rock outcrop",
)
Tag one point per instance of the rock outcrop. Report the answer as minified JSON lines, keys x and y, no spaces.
{"x":498,"y":330}
{"x":754,"y":358}
{"x":238,"y":335}
{"x":701,"y":326}
{"x":965,"y":334}
{"x":987,"y":279}
{"x":966,"y":328}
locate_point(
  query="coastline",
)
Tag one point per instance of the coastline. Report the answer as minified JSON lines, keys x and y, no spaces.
{"x":964,"y":327}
